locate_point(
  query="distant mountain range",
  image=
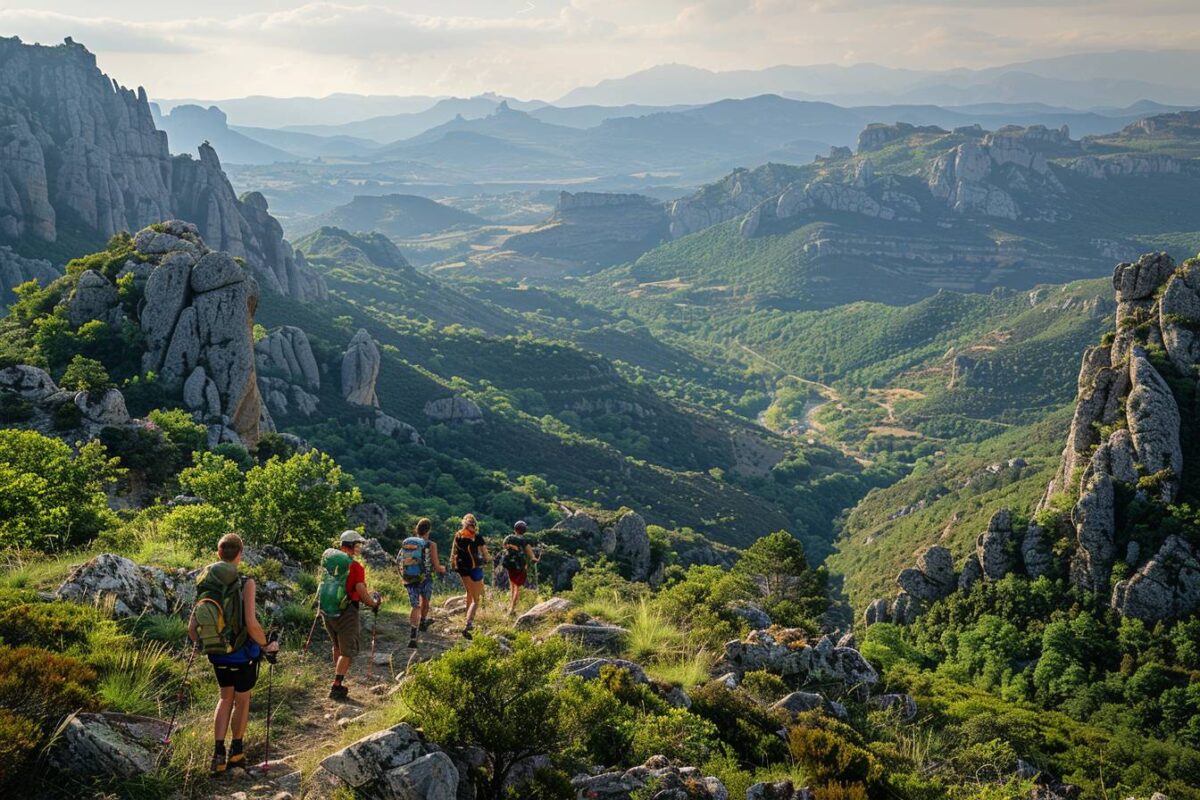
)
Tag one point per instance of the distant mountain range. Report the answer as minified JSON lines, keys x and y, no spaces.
{"x":396,"y":215}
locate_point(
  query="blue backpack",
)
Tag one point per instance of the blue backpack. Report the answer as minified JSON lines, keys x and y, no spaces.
{"x":412,"y":560}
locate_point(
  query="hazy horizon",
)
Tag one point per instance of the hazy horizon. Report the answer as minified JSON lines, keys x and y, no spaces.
{"x":541,"y":50}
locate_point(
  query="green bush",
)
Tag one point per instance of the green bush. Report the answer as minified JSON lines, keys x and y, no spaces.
{"x":66,"y":416}
{"x":44,"y":686}
{"x":685,"y":736}
{"x":85,"y":374}
{"x":14,"y":410}
{"x":19,"y":740}
{"x":744,"y":725}
{"x":60,"y":626}
{"x":180,"y":429}
{"x":830,"y":750}
{"x":198,"y":527}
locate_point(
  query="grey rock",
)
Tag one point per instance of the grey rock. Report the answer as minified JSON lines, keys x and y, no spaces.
{"x":200,"y":394}
{"x":165,"y":295}
{"x":762,"y":650}
{"x":360,"y":370}
{"x":933,"y":578}
{"x":15,"y":270}
{"x":454,"y":409}
{"x":285,"y":353}
{"x":903,"y":704}
{"x":667,"y":782}
{"x":627,"y":542}
{"x":374,"y":556}
{"x":375,"y":766}
{"x":372,"y":517}
{"x":878,"y":610}
{"x":390,"y":426}
{"x":1179,"y":316}
{"x":429,"y":777}
{"x":106,"y":408}
{"x":904,"y":609}
{"x":777,"y":790}
{"x":798,"y":702}
{"x":1095,"y":526}
{"x":1099,"y":402}
{"x":589,"y":668}
{"x":1035,"y":552}
{"x":29,"y":383}
{"x":544,"y":610}
{"x":112,"y":576}
{"x":94,"y":299}
{"x":847,"y":640}
{"x":754,"y":615}
{"x":1166,"y":587}
{"x":108,"y":745}
{"x":970,"y":573}
{"x":1154,"y":424}
{"x":991,"y":547}
{"x":1140,"y":280}
{"x":593,"y":637}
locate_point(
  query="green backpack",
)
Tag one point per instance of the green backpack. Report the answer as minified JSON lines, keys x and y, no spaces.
{"x":514,"y":552}
{"x":220,"y":620}
{"x":331,"y":596}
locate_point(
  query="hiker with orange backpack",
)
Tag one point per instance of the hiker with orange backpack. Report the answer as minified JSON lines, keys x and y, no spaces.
{"x":224,"y":626}
{"x":418,"y":561}
{"x":468,"y":554}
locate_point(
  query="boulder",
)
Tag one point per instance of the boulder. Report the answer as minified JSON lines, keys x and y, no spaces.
{"x":286,"y":353}
{"x":991,"y":547}
{"x":200,"y":394}
{"x":878,"y":610}
{"x":1035,"y":552}
{"x":109,"y":575}
{"x":394,"y":764}
{"x":374,"y":556}
{"x":1095,"y":527}
{"x":108,"y":745}
{"x":904,"y":609}
{"x":1166,"y":587}
{"x":589,"y":668}
{"x":657,"y":779}
{"x":902,"y":704}
{"x":627,"y":542}
{"x":372,"y":517}
{"x":456,"y":409}
{"x":360,"y":370}
{"x":755,"y":617}
{"x":970,"y":573}
{"x":103,"y":408}
{"x":29,"y":383}
{"x":94,"y":299}
{"x":592,"y":637}
{"x":798,"y":702}
{"x":544,"y":610}
{"x":777,"y":790}
{"x":766,"y":650}
{"x":390,"y":426}
{"x":1139,"y":280}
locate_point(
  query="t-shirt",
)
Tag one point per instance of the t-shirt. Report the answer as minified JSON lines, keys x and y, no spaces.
{"x":357,"y":575}
{"x":472,"y":542}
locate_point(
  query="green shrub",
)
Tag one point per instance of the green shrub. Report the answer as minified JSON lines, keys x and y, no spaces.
{"x":85,"y":375}
{"x":830,"y":750}
{"x":43,"y":686}
{"x":180,"y":429}
{"x":765,"y":687}
{"x":748,"y":728}
{"x":198,"y":527}
{"x":16,"y":597}
{"x":19,"y":740}
{"x":167,"y":628}
{"x":685,"y":736}
{"x":60,"y":626}
{"x":14,"y":410}
{"x":66,"y":417}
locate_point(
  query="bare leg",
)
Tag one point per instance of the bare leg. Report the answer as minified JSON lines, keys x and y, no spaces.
{"x":414,"y":616}
{"x":241,"y":714}
{"x":224,"y":711}
{"x":473,"y":591}
{"x":343,"y":665}
{"x":516,"y":595}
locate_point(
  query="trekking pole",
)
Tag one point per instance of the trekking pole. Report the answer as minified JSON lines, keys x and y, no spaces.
{"x":374,"y":627}
{"x":265,"y":766}
{"x":187,"y":672}
{"x":311,"y":631}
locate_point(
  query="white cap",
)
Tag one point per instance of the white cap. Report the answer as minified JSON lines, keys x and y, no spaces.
{"x":352,"y":537}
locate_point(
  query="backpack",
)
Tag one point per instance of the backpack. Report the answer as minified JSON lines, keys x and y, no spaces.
{"x":220,"y":620}
{"x":332,"y":597}
{"x":514,"y":552}
{"x":412,"y":560}
{"x":461,"y":557}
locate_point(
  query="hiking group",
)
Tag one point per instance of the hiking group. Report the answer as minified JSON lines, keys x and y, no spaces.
{"x":224,"y":623}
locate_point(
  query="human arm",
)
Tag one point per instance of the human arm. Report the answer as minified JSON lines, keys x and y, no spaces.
{"x":433,"y":556}
{"x":358,"y":576}
{"x":530,"y":554}
{"x":253,"y":628}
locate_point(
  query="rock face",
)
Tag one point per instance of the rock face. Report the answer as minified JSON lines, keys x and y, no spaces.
{"x":655,"y":780}
{"x":15,"y":270}
{"x":623,"y":539}
{"x":288,"y":375}
{"x":933,"y":578}
{"x":821,"y":661}
{"x":108,"y":745}
{"x":456,"y":409}
{"x":991,"y":548}
{"x":392,"y":764}
{"x":197,"y":319}
{"x":1167,"y":586}
{"x":82,"y":149}
{"x":596,"y":228}
{"x":360,"y":370}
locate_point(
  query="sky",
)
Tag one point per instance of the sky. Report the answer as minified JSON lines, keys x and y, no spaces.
{"x":543,"y":48}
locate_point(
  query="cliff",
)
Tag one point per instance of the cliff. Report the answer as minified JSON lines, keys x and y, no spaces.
{"x":82,"y":159}
{"x":596,"y":228}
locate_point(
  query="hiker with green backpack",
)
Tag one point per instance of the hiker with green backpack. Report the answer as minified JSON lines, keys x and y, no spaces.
{"x":343,"y":587}
{"x":418,"y":560}
{"x":224,"y":626}
{"x":516,"y":557}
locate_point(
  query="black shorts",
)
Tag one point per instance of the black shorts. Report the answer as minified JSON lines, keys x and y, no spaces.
{"x":242,"y":677}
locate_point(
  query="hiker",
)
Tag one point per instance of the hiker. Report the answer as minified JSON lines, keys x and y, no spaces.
{"x":518,"y":555}
{"x":223,"y":625}
{"x":468,"y":554}
{"x":417,"y":555}
{"x":342,"y":589}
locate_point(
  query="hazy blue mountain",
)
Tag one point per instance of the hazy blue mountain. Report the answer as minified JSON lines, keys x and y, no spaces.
{"x":308,"y":145}
{"x":394,"y":127}
{"x":188,"y":126}
{"x":334,"y":109}
{"x":399,"y":215}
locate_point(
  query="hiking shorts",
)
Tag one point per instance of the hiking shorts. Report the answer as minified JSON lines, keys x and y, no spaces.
{"x":419,"y":590}
{"x":474,"y":574}
{"x":517,"y":577}
{"x":242,"y":677}
{"x":343,"y":631}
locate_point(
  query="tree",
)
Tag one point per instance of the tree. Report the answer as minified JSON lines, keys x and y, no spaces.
{"x":299,"y":504}
{"x":778,"y":567}
{"x":50,"y":498}
{"x":85,"y":374}
{"x":511,"y":705}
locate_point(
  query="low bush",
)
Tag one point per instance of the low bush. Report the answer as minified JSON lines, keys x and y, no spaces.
{"x":44,"y":686}
{"x":19,"y":739}
{"x":56,"y":626}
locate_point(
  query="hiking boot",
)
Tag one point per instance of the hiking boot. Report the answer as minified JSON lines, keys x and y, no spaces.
{"x":237,"y":760}
{"x":218,"y":764}
{"x":424,"y":625}
{"x":412,"y":642}
{"x":339,"y":693}
{"x":467,"y":634}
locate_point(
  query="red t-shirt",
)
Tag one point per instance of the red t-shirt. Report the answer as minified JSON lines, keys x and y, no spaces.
{"x":357,"y":575}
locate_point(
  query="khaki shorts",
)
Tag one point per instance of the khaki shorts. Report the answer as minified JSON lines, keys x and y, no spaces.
{"x":343,"y":631}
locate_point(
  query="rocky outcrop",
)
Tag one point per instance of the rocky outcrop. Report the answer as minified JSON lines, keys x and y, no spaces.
{"x":623,"y":538}
{"x":81,"y":149}
{"x":589,"y":668}
{"x":371,"y":517}
{"x":596,"y":228}
{"x":592,"y":636}
{"x":456,"y":409}
{"x":933,"y":578}
{"x":15,"y":270}
{"x":877,"y":134}
{"x":392,"y":764}
{"x":544,"y":610}
{"x":992,"y":546}
{"x":655,"y":780}
{"x":197,"y":318}
{"x":902,"y":704}
{"x":1166,"y":587}
{"x":360,"y":370}
{"x":108,"y":745}
{"x":388,"y":425}
{"x":777,"y":790}
{"x":731,"y":197}
{"x":133,"y":590}
{"x":781,"y":652}
{"x":288,"y":375}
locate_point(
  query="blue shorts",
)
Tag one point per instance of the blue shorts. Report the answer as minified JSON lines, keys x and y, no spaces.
{"x":419,"y":590}
{"x":475,"y":574}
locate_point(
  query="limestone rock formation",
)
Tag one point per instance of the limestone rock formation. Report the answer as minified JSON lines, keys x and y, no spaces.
{"x":15,"y":270}
{"x":596,"y":228}
{"x":543,"y":610}
{"x":655,"y":780}
{"x":1166,"y":587}
{"x":108,"y":745}
{"x":360,"y":370}
{"x":902,"y":704}
{"x":288,"y":374}
{"x":820,"y":661}
{"x":777,"y":790}
{"x":82,"y":149}
{"x":29,"y":383}
{"x":390,"y":426}
{"x":372,"y":517}
{"x":589,"y":668}
{"x":992,"y":546}
{"x":933,"y":578}
{"x":94,"y":298}
{"x":392,"y":764}
{"x":456,"y":409}
{"x":594,"y":636}
{"x":134,"y":590}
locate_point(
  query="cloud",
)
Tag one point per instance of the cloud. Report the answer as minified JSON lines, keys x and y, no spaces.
{"x":98,"y":33}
